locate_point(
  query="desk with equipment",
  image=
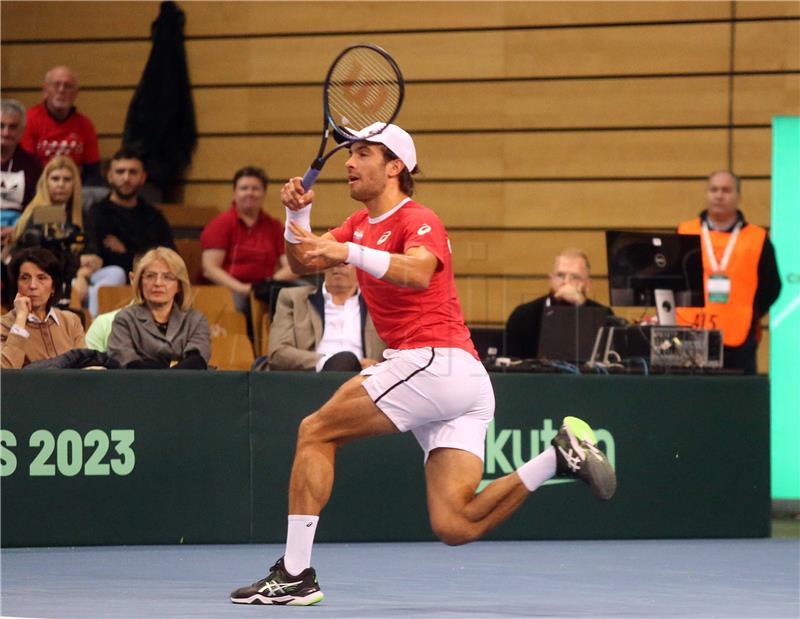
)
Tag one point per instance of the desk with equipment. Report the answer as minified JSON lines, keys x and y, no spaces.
{"x":661,"y":270}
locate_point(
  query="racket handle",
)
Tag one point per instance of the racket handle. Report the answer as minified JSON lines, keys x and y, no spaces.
{"x":309,"y":178}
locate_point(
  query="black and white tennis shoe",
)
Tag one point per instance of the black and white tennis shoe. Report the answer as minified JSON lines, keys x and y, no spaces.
{"x":280,"y":587}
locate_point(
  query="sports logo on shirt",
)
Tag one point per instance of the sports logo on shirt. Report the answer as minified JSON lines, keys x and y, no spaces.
{"x":384,"y":237}
{"x":358,"y":234}
{"x":424,"y":229}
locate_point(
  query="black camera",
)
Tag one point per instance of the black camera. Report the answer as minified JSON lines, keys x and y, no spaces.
{"x":65,"y":242}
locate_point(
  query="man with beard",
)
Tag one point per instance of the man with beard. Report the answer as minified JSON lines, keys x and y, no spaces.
{"x":122,"y":225}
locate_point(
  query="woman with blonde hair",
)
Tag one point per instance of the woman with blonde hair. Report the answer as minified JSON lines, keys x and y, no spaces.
{"x":160,"y":330}
{"x":60,"y":186}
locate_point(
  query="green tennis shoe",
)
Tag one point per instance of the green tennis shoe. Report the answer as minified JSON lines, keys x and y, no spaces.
{"x":577,"y":456}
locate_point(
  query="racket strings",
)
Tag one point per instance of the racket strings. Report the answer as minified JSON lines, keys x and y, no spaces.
{"x":363,"y":88}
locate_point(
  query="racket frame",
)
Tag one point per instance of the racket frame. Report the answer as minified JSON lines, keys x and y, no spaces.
{"x":341,"y":134}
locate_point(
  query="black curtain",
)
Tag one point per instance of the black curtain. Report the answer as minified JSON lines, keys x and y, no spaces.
{"x":161,"y":122}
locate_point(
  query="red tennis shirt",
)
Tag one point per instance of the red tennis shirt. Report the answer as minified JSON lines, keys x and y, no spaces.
{"x":251,"y":254}
{"x":409,"y":317}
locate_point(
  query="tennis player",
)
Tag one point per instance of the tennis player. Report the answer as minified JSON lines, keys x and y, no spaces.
{"x":431,"y":381}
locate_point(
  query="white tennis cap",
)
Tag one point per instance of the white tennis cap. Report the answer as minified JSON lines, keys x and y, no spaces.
{"x":394,"y":138}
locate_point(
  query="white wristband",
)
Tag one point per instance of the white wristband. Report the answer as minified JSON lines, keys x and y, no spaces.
{"x":373,"y":261}
{"x":302,"y":218}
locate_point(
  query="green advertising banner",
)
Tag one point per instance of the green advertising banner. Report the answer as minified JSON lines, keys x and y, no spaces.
{"x":785,"y":313}
{"x":170,"y":457}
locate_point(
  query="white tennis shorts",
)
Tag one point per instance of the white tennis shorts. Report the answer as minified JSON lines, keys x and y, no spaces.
{"x":442,"y":395}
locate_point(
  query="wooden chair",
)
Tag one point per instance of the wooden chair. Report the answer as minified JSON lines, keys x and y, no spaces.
{"x":213,"y":301}
{"x":192,"y":253}
{"x":259,"y":315}
{"x":113,"y":297}
{"x":231,"y":351}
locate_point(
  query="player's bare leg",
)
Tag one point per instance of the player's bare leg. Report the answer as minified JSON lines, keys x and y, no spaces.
{"x":457,"y":514}
{"x":350,"y":414}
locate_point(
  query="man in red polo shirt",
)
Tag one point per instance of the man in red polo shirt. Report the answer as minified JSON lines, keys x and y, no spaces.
{"x":55,"y":126}
{"x":243,"y":245}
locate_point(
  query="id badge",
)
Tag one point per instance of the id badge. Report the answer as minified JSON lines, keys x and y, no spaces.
{"x":719,"y":288}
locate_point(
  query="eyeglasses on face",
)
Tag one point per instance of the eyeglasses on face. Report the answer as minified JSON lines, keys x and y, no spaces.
{"x":151,"y":277}
{"x":570,"y":277}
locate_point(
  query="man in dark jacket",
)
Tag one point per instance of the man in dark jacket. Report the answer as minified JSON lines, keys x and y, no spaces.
{"x":569,"y":286}
{"x":123,"y":225}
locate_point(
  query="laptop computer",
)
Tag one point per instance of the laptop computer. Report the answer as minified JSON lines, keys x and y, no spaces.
{"x":568,"y":333}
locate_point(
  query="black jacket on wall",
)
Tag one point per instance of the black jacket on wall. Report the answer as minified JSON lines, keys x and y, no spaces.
{"x":161,"y":122}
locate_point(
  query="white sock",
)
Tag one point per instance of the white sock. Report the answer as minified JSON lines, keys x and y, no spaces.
{"x":299,"y":541}
{"x":537,"y":471}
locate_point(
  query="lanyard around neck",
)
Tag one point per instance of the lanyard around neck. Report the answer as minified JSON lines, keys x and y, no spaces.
{"x":718,"y":267}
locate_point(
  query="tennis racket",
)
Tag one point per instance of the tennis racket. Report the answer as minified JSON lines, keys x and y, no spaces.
{"x":364,"y":86}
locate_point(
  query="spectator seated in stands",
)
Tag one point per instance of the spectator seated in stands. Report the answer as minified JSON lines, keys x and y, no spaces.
{"x":55,"y":127}
{"x":60,"y":186}
{"x":35,"y":329}
{"x":570,"y":285}
{"x":20,"y":169}
{"x":160,"y":330}
{"x":327,"y":328}
{"x":244,"y":246}
{"x":122,"y":225}
{"x":18,"y":176}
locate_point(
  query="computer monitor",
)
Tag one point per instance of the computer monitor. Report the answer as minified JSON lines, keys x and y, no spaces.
{"x":639,"y":263}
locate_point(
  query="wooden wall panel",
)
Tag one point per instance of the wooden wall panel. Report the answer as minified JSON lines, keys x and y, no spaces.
{"x":96,"y":64}
{"x":767,"y":46}
{"x":615,"y":154}
{"x":656,"y":102}
{"x":34,"y":20}
{"x":45,"y":20}
{"x":583,"y":103}
{"x":521,"y":252}
{"x":762,"y":8}
{"x":600,"y":205}
{"x":605,"y":12}
{"x":752,"y":151}
{"x":757,"y":98}
{"x":463,"y":55}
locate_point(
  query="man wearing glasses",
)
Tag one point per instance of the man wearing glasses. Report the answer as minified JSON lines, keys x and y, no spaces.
{"x":570,"y":284}
{"x":56,"y":127}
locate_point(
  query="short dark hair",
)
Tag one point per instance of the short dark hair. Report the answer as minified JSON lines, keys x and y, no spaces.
{"x":252,"y":171}
{"x":406,"y":180}
{"x":46,"y":261}
{"x":127,"y":152}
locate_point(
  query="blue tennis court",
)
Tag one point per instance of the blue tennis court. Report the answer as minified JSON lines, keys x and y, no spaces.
{"x":614,"y":579}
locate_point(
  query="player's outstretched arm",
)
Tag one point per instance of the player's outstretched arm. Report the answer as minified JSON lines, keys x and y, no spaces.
{"x":313,"y":253}
{"x":412,"y":269}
